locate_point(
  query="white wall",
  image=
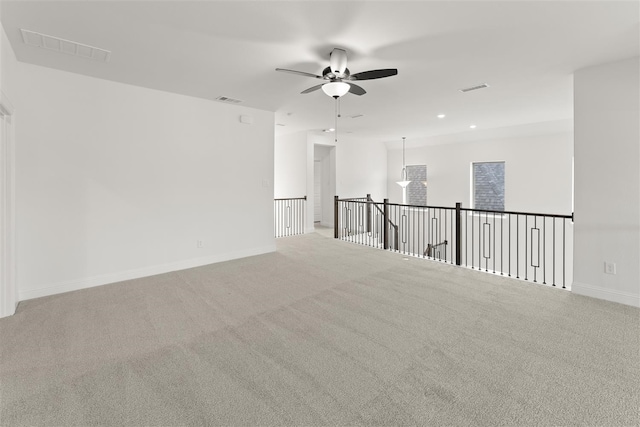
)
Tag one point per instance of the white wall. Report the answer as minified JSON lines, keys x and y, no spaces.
{"x":116,"y":181}
{"x":537,"y":171}
{"x":290,"y":166}
{"x":4,"y":45}
{"x":8,"y":285}
{"x":607,"y":173}
{"x":361,"y":169}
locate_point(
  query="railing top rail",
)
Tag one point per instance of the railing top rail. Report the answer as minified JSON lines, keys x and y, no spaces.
{"x":364,"y":200}
{"x":293,"y":198}
{"x":518,"y":213}
{"x":394,"y":204}
{"x":422,"y":206}
{"x":373,"y":202}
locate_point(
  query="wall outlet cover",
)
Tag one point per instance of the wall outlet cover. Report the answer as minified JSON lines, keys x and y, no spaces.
{"x":610,"y":267}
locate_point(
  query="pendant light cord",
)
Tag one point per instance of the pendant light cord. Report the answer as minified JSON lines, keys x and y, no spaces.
{"x":404,"y":165}
{"x":403,"y":161}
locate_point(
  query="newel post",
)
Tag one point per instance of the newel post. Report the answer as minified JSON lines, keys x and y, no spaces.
{"x":385,"y":221}
{"x":335,"y":217}
{"x":368,"y":213}
{"x":458,"y":235}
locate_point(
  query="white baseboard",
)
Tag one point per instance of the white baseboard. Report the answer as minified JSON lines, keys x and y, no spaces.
{"x":89,"y":282}
{"x":626,"y":298}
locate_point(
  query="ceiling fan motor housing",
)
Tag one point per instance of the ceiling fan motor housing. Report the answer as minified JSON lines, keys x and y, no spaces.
{"x":338,"y":61}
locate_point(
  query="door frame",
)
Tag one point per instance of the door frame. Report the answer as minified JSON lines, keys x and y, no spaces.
{"x":8,"y":285}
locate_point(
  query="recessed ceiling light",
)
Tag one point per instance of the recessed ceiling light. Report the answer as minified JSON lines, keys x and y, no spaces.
{"x":441,"y":116}
{"x":328,"y":130}
{"x":472,"y":126}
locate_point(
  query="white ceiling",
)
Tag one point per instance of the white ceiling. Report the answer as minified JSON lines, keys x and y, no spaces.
{"x":525,"y":51}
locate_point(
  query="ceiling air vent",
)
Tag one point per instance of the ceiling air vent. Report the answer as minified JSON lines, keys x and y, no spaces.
{"x":469,"y":89}
{"x":65,"y":46}
{"x":228,"y":100}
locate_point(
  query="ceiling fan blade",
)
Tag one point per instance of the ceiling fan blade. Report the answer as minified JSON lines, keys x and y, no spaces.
{"x":374,"y":74}
{"x":311,"y":89}
{"x":356,"y":90}
{"x":300,"y":73}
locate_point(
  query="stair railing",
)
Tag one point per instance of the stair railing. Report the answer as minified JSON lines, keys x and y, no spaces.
{"x":525,"y":245}
{"x":289,"y":216}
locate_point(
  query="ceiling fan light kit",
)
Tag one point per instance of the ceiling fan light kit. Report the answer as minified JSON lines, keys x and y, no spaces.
{"x":336,"y":89}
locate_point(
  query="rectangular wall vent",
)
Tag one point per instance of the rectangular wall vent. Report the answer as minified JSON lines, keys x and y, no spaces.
{"x":469,"y":89}
{"x":227,"y":99}
{"x":65,"y":46}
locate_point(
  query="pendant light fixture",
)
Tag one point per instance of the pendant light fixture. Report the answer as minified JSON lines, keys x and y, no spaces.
{"x":404,"y":182}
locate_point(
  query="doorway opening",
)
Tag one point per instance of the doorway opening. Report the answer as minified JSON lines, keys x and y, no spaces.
{"x":324,"y":184}
{"x":317,"y":191}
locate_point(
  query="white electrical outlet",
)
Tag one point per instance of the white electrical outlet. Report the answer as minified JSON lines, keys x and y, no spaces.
{"x":610,"y":267}
{"x":200,"y":243}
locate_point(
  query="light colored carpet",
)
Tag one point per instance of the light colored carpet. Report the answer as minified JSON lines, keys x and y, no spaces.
{"x":322,"y":332}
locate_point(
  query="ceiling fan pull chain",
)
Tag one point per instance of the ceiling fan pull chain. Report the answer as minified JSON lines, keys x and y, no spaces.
{"x":336,"y":125}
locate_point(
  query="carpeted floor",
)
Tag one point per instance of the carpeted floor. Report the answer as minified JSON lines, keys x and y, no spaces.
{"x":322,"y":332}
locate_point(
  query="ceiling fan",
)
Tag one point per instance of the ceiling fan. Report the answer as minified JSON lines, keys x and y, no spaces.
{"x":338,"y":77}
